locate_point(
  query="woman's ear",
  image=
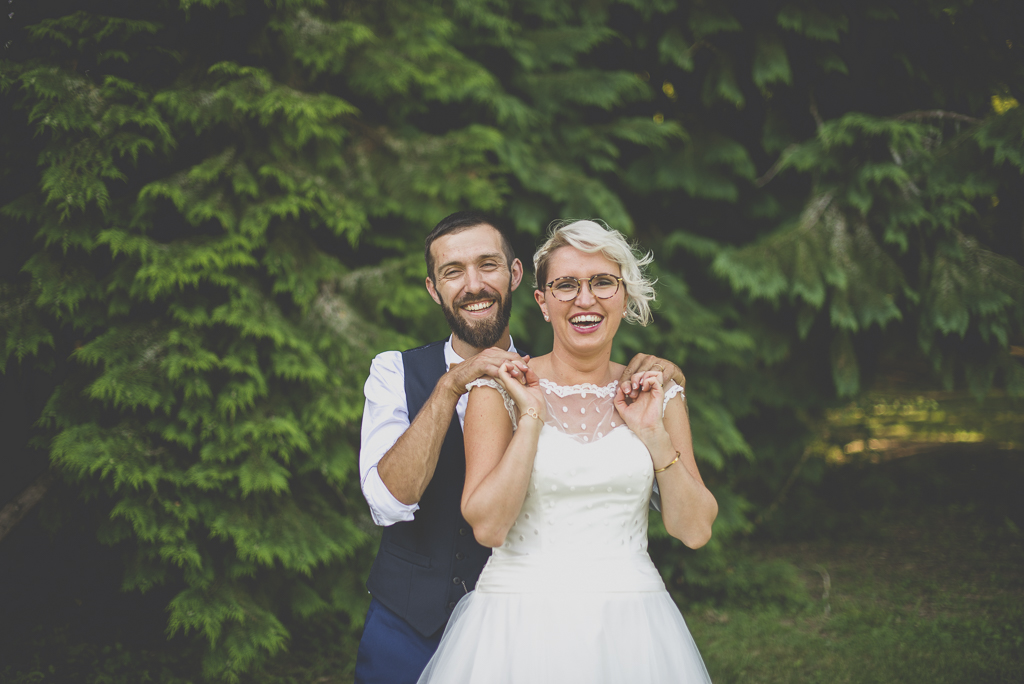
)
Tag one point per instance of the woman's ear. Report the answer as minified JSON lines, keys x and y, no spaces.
{"x":538,"y":295}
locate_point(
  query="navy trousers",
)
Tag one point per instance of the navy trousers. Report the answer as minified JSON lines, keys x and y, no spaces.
{"x":391,"y":651}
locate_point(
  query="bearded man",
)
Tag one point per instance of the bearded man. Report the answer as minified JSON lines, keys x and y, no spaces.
{"x":412,"y":460}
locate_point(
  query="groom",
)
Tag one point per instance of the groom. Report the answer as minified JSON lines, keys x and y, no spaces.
{"x":412,"y":461}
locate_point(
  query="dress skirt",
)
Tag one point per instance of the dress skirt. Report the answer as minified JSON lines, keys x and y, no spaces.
{"x":567,"y":634}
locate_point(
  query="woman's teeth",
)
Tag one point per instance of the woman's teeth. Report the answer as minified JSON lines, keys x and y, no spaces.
{"x":585,"y":320}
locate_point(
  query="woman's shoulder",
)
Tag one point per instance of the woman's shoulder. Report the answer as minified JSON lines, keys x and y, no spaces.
{"x":485,"y":381}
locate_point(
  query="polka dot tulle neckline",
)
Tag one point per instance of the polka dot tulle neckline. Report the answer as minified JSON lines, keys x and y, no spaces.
{"x":585,"y":412}
{"x":583,"y":390}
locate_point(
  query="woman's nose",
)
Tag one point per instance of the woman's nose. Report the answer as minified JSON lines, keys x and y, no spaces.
{"x":586,"y":296}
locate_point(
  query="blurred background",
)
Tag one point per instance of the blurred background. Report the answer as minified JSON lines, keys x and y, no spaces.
{"x":212,"y":215}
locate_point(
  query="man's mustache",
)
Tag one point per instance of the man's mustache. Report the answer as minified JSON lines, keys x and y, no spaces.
{"x":477,"y":297}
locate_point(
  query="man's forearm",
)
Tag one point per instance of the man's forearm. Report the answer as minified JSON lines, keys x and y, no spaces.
{"x":408,"y":466}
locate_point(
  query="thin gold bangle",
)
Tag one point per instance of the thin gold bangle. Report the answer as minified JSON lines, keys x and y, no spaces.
{"x":661,"y":470}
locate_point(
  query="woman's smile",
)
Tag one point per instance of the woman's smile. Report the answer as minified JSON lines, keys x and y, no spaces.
{"x":586,"y":322}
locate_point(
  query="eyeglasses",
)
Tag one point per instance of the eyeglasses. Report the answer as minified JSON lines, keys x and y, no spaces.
{"x":602,"y":286}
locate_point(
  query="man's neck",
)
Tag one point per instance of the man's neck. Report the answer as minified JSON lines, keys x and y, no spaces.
{"x":465,"y":350}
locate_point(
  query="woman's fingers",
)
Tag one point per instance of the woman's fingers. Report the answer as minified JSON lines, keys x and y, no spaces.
{"x":646,"y":380}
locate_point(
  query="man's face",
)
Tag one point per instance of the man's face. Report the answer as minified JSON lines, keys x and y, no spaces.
{"x":474,"y":284}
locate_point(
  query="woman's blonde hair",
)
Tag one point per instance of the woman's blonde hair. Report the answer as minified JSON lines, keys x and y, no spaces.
{"x":592,"y":237}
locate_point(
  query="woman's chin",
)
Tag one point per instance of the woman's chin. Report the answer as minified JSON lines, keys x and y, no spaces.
{"x":586,"y":340}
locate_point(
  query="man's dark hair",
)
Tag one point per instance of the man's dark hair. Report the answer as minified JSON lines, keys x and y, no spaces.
{"x":458,"y":222}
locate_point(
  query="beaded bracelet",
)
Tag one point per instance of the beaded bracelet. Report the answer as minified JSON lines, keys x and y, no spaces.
{"x":661,"y":470}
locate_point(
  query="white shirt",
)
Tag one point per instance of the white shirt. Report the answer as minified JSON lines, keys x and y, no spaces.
{"x":385,"y":419}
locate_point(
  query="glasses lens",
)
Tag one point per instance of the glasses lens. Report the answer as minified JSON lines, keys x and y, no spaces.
{"x":565,"y":289}
{"x":604,"y":285}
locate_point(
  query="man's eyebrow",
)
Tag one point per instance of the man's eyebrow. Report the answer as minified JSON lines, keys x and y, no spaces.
{"x":482,"y":257}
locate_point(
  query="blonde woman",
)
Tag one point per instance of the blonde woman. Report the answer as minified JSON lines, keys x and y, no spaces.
{"x":561,"y":464}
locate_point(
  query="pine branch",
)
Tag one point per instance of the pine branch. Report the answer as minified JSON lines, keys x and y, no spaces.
{"x":13,"y":512}
{"x":775,"y":168}
{"x":818,"y":121}
{"x":936,"y":114}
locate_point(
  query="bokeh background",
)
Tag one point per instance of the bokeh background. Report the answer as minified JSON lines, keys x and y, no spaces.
{"x":212,"y":215}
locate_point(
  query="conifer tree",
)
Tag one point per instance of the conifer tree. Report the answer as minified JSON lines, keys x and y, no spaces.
{"x":203,"y":179}
{"x":213,"y":213}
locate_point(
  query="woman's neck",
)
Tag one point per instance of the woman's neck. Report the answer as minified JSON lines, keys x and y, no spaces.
{"x":568,"y":369}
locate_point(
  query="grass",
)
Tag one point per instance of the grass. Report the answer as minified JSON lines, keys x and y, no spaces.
{"x":916,"y":606}
{"x":919,"y":585}
{"x":925,"y":584}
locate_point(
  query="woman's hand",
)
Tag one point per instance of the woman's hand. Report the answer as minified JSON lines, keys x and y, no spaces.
{"x":524,"y":388}
{"x":643,"y":414}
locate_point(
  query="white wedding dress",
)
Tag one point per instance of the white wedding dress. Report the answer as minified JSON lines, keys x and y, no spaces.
{"x":572,"y":596}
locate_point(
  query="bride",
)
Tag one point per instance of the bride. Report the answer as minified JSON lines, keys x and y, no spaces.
{"x":560,"y":468}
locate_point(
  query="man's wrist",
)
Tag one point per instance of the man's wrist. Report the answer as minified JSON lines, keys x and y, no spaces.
{"x":450,"y":384}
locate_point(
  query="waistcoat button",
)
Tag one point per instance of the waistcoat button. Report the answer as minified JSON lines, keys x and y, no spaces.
{"x":456,"y":580}
{"x":460,"y":556}
{"x":463,"y":531}
{"x":451,"y":605}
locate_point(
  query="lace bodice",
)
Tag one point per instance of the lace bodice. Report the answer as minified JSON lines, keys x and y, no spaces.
{"x":587,"y":498}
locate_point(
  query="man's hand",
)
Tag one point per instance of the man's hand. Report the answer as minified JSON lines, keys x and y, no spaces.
{"x":632,"y":376}
{"x":487,"y":363}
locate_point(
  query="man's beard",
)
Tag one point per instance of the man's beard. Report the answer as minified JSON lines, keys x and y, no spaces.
{"x":485,"y":333}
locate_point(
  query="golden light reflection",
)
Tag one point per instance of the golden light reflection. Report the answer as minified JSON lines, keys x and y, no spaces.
{"x":884,"y":426}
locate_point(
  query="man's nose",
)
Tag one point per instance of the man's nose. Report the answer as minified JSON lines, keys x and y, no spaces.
{"x":474,"y":280}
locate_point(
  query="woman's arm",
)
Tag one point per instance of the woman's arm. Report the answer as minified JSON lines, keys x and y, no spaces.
{"x":498,"y":460}
{"x":687,"y":507}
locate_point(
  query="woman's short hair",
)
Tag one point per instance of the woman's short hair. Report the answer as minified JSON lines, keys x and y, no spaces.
{"x":592,"y":237}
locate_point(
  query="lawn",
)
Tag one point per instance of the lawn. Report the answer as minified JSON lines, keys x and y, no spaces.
{"x":911,"y":571}
{"x":937,"y":599}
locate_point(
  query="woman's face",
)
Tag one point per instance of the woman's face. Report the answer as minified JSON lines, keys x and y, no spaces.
{"x":587,"y":323}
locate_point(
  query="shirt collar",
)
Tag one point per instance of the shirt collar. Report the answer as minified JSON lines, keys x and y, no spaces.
{"x":450,"y":357}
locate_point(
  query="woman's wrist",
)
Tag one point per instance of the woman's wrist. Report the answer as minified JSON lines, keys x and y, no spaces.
{"x":656,"y":438}
{"x":659,"y":443}
{"x":531,"y":412}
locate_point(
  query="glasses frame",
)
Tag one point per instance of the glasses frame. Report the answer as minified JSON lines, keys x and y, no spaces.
{"x":590,"y":286}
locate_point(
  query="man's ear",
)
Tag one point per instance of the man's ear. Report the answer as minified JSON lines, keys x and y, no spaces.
{"x":517,"y":273}
{"x":433,"y":292}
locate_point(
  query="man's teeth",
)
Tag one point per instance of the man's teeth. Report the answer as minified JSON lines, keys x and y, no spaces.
{"x":478,"y":306}
{"x":585,"y":320}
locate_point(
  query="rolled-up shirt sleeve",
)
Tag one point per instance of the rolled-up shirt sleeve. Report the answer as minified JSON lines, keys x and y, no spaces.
{"x":385,"y":419}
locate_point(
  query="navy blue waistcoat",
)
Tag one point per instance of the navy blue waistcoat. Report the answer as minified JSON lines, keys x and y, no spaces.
{"x":425,"y":565}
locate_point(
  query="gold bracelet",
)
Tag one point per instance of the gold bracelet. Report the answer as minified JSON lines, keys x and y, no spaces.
{"x":661,"y":470}
{"x":532,"y":413}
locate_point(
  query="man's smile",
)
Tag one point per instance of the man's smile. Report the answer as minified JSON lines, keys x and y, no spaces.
{"x":474,"y":307}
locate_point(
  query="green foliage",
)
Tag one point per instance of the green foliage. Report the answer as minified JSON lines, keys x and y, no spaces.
{"x":213,"y":215}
